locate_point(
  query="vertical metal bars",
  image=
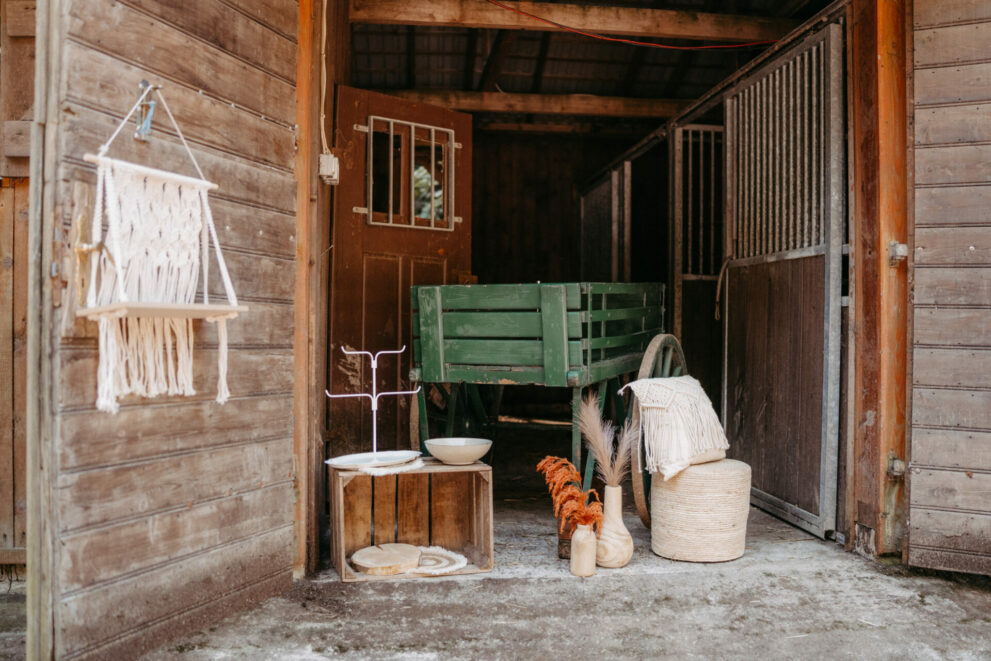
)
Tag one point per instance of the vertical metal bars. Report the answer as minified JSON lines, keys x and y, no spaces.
{"x":444,"y":220}
{"x":779,"y":157}
{"x":698,"y":208}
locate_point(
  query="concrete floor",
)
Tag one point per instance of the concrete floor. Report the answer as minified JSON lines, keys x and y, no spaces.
{"x":790,"y":596}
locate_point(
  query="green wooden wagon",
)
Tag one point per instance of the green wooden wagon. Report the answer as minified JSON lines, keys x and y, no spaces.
{"x":574,"y":335}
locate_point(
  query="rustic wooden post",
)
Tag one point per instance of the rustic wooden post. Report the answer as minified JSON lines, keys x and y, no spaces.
{"x":881,"y":289}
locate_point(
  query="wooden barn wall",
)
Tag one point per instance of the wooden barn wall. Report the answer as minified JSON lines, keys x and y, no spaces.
{"x":175,"y":510}
{"x":526,"y":209}
{"x":950,"y":478}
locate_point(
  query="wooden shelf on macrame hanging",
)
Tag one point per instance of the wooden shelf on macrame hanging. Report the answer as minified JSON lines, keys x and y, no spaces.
{"x":132,"y":310}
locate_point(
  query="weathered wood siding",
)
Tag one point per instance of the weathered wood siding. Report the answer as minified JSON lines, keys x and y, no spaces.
{"x":175,"y":509}
{"x":950,"y":476}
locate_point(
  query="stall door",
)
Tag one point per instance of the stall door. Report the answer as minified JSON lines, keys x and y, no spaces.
{"x":606,"y":226}
{"x":401,"y":218}
{"x":785,"y":226}
{"x":949,"y":479}
{"x":696,"y":153}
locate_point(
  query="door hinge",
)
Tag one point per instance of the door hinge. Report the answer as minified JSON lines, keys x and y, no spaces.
{"x":896,"y":467}
{"x":897,"y":252}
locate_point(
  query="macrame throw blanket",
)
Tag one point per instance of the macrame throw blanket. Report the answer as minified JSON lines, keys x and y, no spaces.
{"x":677,"y":421}
{"x":158,"y":231}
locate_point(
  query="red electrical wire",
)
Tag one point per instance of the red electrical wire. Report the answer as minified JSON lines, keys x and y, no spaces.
{"x":627,"y":41}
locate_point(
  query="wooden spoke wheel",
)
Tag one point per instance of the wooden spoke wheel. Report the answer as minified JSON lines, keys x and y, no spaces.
{"x":663,"y":358}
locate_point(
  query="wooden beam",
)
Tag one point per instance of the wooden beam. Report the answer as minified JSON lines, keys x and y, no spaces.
{"x":571,"y":128}
{"x":879,"y":125}
{"x":13,"y":556}
{"x":471,"y":46}
{"x":19,"y":19}
{"x":538,"y":72}
{"x":628,"y":21}
{"x":546,"y":104}
{"x":495,"y":61}
{"x":16,"y":139}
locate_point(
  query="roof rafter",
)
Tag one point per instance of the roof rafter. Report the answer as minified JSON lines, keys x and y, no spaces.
{"x":628,"y":21}
{"x":498,"y":54}
{"x":546,"y":104}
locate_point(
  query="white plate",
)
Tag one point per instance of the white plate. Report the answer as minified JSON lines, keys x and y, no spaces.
{"x":373,"y":459}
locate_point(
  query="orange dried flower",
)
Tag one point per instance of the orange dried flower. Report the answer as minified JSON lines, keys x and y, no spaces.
{"x":571,"y":504}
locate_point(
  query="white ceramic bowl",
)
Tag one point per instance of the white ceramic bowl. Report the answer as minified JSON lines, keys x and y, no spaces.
{"x":458,"y":451}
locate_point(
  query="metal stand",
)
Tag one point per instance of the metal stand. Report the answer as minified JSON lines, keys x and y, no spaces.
{"x":374,"y":396}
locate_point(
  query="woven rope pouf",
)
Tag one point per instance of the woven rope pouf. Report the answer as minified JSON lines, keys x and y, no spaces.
{"x":700,"y":515}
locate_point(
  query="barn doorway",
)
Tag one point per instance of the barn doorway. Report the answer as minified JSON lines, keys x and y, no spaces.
{"x":561,"y":194}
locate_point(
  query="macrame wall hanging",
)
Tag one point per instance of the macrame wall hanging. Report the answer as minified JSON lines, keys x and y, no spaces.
{"x":145,"y":273}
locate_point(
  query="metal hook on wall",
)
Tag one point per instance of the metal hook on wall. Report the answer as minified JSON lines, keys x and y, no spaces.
{"x":145,"y":112}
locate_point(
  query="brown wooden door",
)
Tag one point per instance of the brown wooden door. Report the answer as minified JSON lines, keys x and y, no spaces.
{"x":380,"y":248}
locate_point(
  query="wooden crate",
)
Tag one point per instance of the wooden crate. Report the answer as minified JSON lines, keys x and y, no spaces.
{"x":437,"y":505}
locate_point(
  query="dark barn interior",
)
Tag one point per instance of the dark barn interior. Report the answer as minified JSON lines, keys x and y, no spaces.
{"x":564,"y":126}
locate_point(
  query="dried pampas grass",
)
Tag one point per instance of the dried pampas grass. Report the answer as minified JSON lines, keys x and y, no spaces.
{"x":599,"y":437}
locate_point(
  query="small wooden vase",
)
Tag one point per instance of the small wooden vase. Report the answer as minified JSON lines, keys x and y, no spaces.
{"x":615,"y":545}
{"x":583,"y":551}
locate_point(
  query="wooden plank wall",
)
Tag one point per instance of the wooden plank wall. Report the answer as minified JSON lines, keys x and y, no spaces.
{"x":13,"y":336}
{"x":525,"y":203}
{"x":950,"y":477}
{"x":175,"y":510}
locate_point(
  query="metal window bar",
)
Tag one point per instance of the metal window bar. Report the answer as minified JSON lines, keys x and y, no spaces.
{"x":699,"y":204}
{"x":779,"y":156}
{"x":446,"y":222}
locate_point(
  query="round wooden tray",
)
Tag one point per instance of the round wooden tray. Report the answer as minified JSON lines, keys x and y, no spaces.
{"x":373,"y":459}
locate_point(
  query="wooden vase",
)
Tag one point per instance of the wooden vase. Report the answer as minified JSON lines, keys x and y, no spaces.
{"x":583,"y":551}
{"x":615,"y":545}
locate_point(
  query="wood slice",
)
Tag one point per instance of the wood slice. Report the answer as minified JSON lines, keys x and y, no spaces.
{"x":386,"y":559}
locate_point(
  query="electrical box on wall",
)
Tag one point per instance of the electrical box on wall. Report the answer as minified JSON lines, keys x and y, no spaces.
{"x":330,"y":169}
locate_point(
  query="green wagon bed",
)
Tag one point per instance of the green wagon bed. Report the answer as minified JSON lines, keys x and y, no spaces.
{"x":572,"y":335}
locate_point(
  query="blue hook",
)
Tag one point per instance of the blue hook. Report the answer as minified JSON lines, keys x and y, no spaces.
{"x":144,"y":115}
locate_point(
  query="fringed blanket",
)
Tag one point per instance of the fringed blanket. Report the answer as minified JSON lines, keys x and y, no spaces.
{"x":678,"y":424}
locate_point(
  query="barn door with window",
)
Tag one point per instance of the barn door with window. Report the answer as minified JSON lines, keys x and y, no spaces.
{"x":696,"y":153}
{"x":785,"y":228}
{"x":401,"y":218}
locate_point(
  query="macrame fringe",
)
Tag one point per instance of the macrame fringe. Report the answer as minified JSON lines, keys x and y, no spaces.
{"x":148,"y":356}
{"x":223,"y":394}
{"x":678,"y":426}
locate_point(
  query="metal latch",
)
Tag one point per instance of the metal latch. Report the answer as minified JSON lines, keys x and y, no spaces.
{"x":897,"y":252}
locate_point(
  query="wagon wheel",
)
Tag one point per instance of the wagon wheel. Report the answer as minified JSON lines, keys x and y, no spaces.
{"x":663,"y":358}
